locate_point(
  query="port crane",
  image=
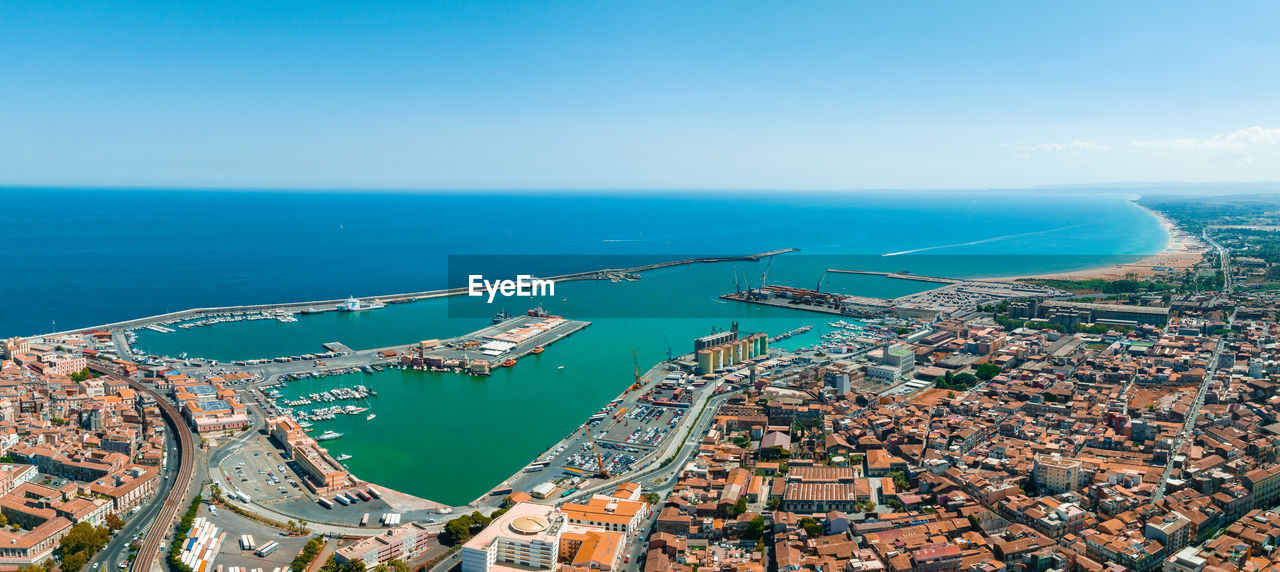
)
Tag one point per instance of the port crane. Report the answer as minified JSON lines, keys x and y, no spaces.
{"x":765,"y":275}
{"x":636,"y":362}
{"x":601,"y":470}
{"x":821,"y":280}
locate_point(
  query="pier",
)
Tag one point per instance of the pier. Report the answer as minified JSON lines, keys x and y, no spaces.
{"x":951,"y":297}
{"x":337,"y":347}
{"x":478,"y":352}
{"x":316,"y":306}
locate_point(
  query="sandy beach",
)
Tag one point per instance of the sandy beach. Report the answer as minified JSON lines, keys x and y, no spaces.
{"x":1182,"y":251}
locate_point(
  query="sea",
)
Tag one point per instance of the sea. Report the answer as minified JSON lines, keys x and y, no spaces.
{"x":80,"y":257}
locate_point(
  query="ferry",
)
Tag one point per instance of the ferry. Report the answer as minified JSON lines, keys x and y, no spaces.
{"x":354,"y":305}
{"x":328,"y":435}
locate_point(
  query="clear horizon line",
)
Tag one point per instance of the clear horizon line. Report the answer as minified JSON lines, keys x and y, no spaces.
{"x":1135,"y":185}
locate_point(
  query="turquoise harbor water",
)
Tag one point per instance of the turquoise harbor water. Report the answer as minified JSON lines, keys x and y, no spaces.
{"x":450,"y":437}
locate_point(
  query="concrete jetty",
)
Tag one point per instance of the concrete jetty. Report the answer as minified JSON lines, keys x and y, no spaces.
{"x":325,"y":305}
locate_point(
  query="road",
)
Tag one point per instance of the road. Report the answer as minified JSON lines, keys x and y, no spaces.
{"x":117,"y":550}
{"x":176,"y":500}
{"x":1192,"y":414}
{"x":1224,"y":261}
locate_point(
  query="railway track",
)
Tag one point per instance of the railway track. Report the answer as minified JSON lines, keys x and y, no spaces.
{"x":154,"y":540}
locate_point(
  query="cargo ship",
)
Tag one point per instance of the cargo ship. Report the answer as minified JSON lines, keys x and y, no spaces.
{"x":501,"y":317}
{"x":354,"y":305}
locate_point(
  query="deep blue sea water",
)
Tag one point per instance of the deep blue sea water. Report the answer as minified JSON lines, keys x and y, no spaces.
{"x":79,"y":257}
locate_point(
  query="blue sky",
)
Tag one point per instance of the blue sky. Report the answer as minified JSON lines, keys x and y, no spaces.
{"x":814,"y":95}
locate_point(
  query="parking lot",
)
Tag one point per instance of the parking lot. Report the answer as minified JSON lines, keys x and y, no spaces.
{"x":261,"y":472}
{"x":234,"y":525}
{"x":643,"y":426}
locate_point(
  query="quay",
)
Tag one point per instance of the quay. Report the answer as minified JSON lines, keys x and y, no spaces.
{"x":316,"y":306}
{"x":953,"y":297}
{"x":337,"y":347}
{"x":478,"y":352}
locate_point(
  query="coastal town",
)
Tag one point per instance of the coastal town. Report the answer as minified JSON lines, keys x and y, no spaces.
{"x":1073,"y":422}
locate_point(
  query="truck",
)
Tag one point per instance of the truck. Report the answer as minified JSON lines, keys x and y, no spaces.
{"x":267,"y":549}
{"x":342,"y":500}
{"x":374,"y":493}
{"x":324,"y":502}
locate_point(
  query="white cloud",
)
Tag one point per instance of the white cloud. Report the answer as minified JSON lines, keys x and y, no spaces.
{"x":1242,"y":146}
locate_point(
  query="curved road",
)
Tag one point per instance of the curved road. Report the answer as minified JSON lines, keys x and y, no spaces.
{"x":154,"y":539}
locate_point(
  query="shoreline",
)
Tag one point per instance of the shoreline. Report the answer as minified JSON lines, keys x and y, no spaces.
{"x":1181,"y":251}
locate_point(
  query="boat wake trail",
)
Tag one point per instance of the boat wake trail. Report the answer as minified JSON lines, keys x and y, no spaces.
{"x":985,"y":240}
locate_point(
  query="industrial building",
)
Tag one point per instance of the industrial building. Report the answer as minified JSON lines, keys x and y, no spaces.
{"x":723,"y":349}
{"x":1072,"y":313}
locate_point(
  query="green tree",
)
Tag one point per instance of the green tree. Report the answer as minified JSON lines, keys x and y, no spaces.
{"x":332,"y":565}
{"x":74,"y":562}
{"x":738,"y":507}
{"x":755,"y":528}
{"x":900,"y":480}
{"x":308,"y":553}
{"x":84,"y":537}
{"x":987,"y":371}
{"x":652,"y":498}
{"x":812,"y":527}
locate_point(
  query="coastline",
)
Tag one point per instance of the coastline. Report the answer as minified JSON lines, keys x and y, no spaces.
{"x":1181,"y":252}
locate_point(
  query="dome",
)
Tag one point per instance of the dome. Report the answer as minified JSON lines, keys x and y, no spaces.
{"x":529,"y":524}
